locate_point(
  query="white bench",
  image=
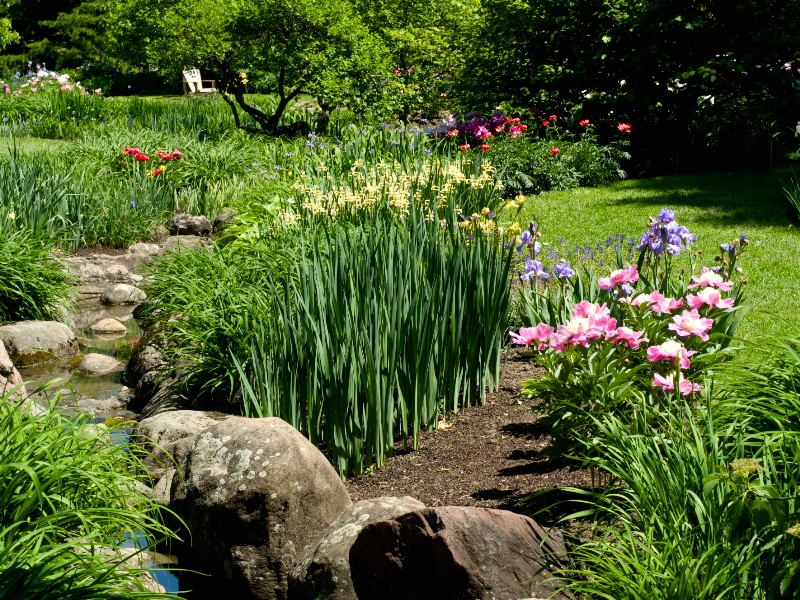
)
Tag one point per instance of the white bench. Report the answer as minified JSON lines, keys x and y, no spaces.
{"x":192,"y":80}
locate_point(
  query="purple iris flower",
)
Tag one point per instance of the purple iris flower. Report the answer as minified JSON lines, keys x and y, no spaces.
{"x":666,"y":215}
{"x":563,"y":270}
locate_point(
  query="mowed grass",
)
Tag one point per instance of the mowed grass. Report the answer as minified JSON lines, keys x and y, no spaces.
{"x":29,"y":145}
{"x":718,"y":207}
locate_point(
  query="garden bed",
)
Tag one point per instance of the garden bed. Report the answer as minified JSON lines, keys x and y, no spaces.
{"x":488,"y":457}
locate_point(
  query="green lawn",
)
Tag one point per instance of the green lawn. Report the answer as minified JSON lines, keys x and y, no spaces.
{"x":30,"y":145}
{"x":717,"y":207}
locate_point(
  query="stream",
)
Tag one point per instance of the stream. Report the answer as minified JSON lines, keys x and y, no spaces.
{"x":76,"y":387}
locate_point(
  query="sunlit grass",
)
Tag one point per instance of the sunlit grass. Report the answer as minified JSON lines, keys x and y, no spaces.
{"x":718,"y":207}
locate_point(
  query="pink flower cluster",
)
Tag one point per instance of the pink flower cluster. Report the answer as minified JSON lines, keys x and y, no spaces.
{"x":589,"y":322}
{"x":619,"y":278}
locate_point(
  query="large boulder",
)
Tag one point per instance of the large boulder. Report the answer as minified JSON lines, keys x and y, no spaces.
{"x":455,"y":552}
{"x":161,"y":433}
{"x":10,"y":377}
{"x":254,"y":494}
{"x":324,"y":570}
{"x":186,"y":224}
{"x":122,"y":293}
{"x":100,"y":364}
{"x":35,"y":342}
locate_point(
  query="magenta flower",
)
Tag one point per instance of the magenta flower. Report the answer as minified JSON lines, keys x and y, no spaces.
{"x":689,"y":322}
{"x":657,"y":302}
{"x":709,"y":297}
{"x":529,"y":335}
{"x":629,"y":337}
{"x":619,"y":277}
{"x":708,"y":278}
{"x":588,"y":309}
{"x":667,"y":384}
{"x":671,"y":351}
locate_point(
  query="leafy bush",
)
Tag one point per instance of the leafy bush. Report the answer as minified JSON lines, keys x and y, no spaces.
{"x":69,"y":500}
{"x":32,"y":284}
{"x":541,"y":155}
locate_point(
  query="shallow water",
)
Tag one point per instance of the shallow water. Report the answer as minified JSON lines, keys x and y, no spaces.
{"x":73,"y":385}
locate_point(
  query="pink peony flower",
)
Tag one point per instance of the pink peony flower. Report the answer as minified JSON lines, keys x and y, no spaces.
{"x":619,"y":277}
{"x":685,"y":386}
{"x":709,"y":297}
{"x":554,"y":151}
{"x":452,"y":132}
{"x":528,"y":336}
{"x":672,"y":351}
{"x":628,"y":336}
{"x":588,"y":309}
{"x":690,"y":322}
{"x":708,"y":278}
{"x":657,"y":302}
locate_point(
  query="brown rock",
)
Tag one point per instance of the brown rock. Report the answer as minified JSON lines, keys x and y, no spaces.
{"x":254,"y":495}
{"x":9,"y":376}
{"x":99,"y":364}
{"x":186,"y":224}
{"x":108,"y":326}
{"x":454,"y":552}
{"x":324,"y":571}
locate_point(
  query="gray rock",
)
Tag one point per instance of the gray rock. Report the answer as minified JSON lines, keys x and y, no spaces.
{"x":146,"y":249}
{"x":454,"y":552}
{"x":99,"y":407}
{"x":254,"y":495}
{"x":10,"y":377}
{"x":324,"y":570}
{"x":108,"y":326}
{"x":226,"y":215}
{"x":169,"y":427}
{"x":122,"y":293}
{"x":183,"y":242}
{"x":162,"y":492}
{"x":36,"y":342}
{"x":100,"y":364}
{"x":186,"y":224}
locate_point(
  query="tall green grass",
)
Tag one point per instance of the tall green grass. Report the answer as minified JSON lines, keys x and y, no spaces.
{"x":390,"y":324}
{"x":69,"y":500}
{"x":32,"y":284}
{"x":702,"y":501}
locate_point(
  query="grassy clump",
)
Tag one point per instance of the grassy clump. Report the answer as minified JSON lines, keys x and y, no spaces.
{"x":32,"y":285}
{"x":701,"y":498}
{"x":69,"y":500}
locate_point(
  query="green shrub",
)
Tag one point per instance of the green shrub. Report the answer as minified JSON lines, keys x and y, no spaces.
{"x":69,"y":500}
{"x":32,"y":284}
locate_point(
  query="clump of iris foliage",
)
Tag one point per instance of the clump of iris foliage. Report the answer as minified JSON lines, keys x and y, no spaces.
{"x":373,"y":301}
{"x":695,"y":456}
{"x":70,"y":502}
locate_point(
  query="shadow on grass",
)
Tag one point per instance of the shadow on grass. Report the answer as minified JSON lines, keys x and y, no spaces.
{"x":752,"y":198}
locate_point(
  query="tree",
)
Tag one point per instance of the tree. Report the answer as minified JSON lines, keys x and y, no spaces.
{"x":426,"y":45}
{"x":296,"y":46}
{"x":673,"y":66}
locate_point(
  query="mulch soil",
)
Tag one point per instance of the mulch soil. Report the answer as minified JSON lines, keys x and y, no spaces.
{"x":490,"y":456}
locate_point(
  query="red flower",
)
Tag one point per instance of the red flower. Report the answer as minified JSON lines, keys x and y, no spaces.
{"x":141,"y":157}
{"x":515,"y":120}
{"x":463,"y":147}
{"x":452,"y":132}
{"x":157,"y":172}
{"x":523,"y":127}
{"x":624,"y":127}
{"x":584,"y":122}
{"x":546,"y":123}
{"x":554,"y":151}
{"x":485,"y":146}
{"x":552,"y":117}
